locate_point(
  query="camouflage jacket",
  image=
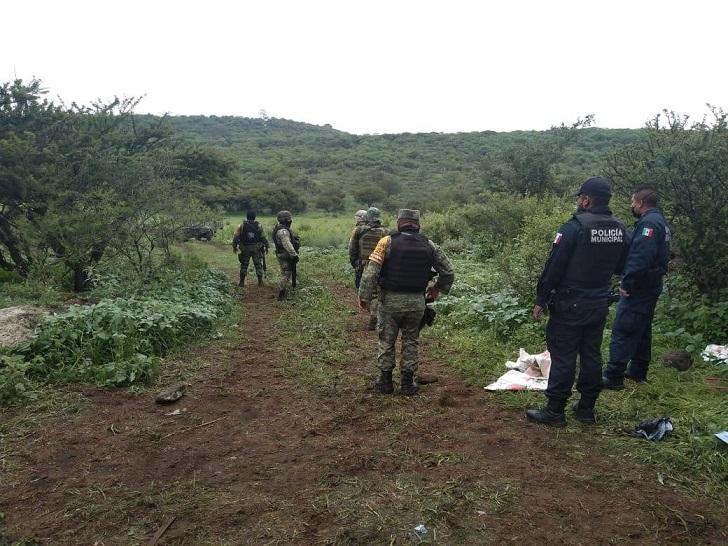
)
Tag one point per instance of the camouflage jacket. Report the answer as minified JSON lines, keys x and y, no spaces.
{"x":401,"y":301}
{"x":283,"y":238}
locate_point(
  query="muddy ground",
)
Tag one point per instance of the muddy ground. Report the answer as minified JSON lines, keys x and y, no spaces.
{"x":255,"y":457}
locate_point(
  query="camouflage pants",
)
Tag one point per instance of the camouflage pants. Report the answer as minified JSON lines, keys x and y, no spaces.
{"x":286,"y":273}
{"x":390,"y":325}
{"x":247,"y":252}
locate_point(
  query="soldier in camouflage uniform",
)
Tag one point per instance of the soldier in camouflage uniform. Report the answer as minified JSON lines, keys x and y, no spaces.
{"x":249,"y":237}
{"x":399,"y":269}
{"x":287,"y":244}
{"x":360,"y":218}
{"x":363,"y":241}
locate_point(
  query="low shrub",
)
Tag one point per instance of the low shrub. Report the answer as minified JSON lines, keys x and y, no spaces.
{"x":119,"y":340}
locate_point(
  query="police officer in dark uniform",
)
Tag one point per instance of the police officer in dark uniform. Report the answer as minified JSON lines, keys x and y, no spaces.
{"x":649,"y":254}
{"x":575,"y":286}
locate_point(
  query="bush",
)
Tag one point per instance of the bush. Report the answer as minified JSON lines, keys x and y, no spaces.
{"x":119,"y":340}
{"x":521,"y":261}
{"x":14,"y":384}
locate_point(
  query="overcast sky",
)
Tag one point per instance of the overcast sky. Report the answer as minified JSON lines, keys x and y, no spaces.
{"x":379,"y":66}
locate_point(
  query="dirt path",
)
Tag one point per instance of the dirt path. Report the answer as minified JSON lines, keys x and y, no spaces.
{"x":255,"y":458}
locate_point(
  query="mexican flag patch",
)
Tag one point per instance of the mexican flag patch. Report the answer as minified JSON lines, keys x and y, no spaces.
{"x":647,"y":232}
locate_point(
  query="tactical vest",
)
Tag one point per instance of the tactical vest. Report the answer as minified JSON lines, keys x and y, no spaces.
{"x":599,"y":248}
{"x":251,"y":233}
{"x":295,"y":240}
{"x":368,"y":240}
{"x":407,"y":269}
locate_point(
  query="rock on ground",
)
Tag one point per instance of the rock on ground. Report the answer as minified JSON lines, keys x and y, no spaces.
{"x":17,"y":323}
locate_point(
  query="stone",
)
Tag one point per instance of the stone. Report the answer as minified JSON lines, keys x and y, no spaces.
{"x":680,"y":360}
{"x":171,"y":394}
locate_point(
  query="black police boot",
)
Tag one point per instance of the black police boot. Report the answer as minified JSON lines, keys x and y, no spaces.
{"x":407,"y":384}
{"x":634,"y":377}
{"x":384,"y":383}
{"x":242,"y":280}
{"x":260,"y":280}
{"x":552,"y":414}
{"x":584,"y":412}
{"x":612,"y":384}
{"x":546,"y":417}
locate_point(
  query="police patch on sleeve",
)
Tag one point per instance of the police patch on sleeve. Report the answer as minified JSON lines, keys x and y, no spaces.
{"x":606,"y":236}
{"x":558,"y":238}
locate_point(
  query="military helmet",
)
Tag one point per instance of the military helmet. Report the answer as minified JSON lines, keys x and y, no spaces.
{"x":373,"y":214}
{"x":360,"y":215}
{"x":284,"y":217}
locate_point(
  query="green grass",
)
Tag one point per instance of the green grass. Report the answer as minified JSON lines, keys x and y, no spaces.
{"x":691,"y":457}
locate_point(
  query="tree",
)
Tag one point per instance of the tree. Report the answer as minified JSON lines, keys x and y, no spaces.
{"x":527,"y":168}
{"x":369,"y":194}
{"x":331,"y":199}
{"x":72,"y":176}
{"x":688,"y":164}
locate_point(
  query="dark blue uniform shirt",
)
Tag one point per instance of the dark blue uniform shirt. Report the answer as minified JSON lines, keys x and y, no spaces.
{"x":649,"y":254}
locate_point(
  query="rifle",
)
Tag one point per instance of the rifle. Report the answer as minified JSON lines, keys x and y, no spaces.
{"x":265,"y":266}
{"x":293,"y":273}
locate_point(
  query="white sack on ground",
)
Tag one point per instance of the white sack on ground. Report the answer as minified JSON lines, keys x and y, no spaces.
{"x":529,"y":372}
{"x":716,"y":352}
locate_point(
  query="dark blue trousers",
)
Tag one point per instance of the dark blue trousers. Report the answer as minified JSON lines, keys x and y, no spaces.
{"x":631,"y":342}
{"x":572,"y":333}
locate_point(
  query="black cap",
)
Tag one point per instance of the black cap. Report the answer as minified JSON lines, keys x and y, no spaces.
{"x":596,"y":186}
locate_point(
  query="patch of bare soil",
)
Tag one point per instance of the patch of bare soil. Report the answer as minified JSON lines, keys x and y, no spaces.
{"x":252,"y":458}
{"x":17,"y":323}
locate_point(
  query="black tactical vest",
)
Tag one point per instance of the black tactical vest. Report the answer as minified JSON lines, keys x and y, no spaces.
{"x":251,"y":233}
{"x":599,"y":248}
{"x":407,"y":269}
{"x":295,"y":240}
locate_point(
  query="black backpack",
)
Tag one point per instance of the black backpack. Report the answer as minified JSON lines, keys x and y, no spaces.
{"x":251,"y":233}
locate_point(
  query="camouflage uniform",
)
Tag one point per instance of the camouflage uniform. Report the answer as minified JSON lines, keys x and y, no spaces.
{"x":362,"y":243}
{"x":400,"y":311}
{"x":287,"y":243}
{"x":252,"y":250}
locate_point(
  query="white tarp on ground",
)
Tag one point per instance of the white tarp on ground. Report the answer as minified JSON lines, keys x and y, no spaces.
{"x":716,"y":352}
{"x":529,"y":372}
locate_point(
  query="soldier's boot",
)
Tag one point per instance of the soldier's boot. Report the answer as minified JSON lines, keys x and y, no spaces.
{"x":584,"y":411}
{"x":260,"y":280}
{"x":552,"y":415}
{"x":384,"y":383}
{"x":242,"y":279}
{"x":408,"y":386}
{"x":281,"y":294}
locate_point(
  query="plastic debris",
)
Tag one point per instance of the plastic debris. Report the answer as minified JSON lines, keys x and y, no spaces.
{"x":420,"y":531}
{"x":716,"y":353}
{"x":723,"y":436}
{"x":654,"y":429}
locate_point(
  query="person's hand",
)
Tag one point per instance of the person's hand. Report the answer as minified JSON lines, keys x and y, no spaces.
{"x":363,"y":305}
{"x":433,"y":292}
{"x":537,"y":312}
{"x":623,"y":292}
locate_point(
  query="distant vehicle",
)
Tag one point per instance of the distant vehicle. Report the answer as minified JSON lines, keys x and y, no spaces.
{"x":198,"y":231}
